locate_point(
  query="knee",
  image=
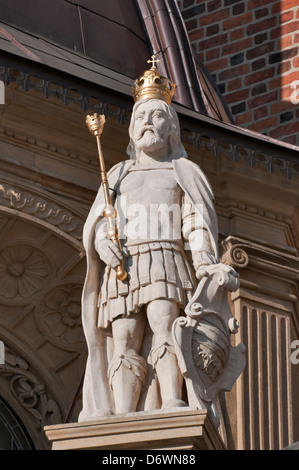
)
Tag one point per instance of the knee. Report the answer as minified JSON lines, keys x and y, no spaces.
{"x":161,"y":315}
{"x":127,"y":337}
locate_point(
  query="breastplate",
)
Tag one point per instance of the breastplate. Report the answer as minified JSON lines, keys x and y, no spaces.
{"x":148,"y":203}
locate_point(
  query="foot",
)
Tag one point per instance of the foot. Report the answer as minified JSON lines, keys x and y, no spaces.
{"x":175,"y":403}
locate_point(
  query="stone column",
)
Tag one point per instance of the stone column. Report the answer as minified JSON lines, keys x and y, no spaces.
{"x":261,"y":406}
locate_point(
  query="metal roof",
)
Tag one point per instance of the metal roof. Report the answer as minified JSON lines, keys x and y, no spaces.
{"x":109,"y":42}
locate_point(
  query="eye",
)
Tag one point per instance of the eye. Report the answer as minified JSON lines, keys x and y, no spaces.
{"x":158,"y":114}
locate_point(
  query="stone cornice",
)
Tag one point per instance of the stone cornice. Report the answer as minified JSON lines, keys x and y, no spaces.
{"x":240,"y":253}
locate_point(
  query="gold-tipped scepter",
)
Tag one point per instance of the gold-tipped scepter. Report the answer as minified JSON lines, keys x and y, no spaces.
{"x":95,"y":124}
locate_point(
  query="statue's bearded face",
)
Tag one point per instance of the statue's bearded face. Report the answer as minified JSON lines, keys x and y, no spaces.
{"x":151,"y":126}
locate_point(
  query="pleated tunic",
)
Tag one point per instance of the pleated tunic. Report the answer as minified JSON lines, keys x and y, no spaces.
{"x":157,"y":269}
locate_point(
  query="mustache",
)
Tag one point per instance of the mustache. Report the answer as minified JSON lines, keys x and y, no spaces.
{"x":145,"y":129}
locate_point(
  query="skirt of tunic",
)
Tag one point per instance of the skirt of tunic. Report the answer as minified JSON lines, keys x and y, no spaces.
{"x":156,"y":270}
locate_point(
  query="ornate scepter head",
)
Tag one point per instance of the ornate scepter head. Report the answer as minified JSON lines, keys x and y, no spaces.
{"x":95,"y":123}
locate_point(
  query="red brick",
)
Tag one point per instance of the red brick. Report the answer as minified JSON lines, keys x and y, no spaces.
{"x":243,"y":118}
{"x":261,"y":112}
{"x":259,"y":76}
{"x":260,"y":50}
{"x":284,"y":5}
{"x":212,"y":54}
{"x":296,"y":62}
{"x":287,"y":16}
{"x":281,"y":106}
{"x":262,"y":25}
{"x":285,"y":29}
{"x":284,"y":67}
{"x":264,"y":124}
{"x":274,"y":84}
{"x":286,"y":92}
{"x":212,"y":42}
{"x":258,"y":64}
{"x":191,"y":24}
{"x":237,"y":46}
{"x":201,"y":57}
{"x":234,"y":84}
{"x":286,"y":41}
{"x":292,"y":139}
{"x":196,"y":35}
{"x":234,"y":72}
{"x":212,"y":30}
{"x":281,"y":131}
{"x":217,"y":65}
{"x":214,"y":5}
{"x":289,"y":78}
{"x":215,"y":17}
{"x":263,"y":99}
{"x":261,"y":13}
{"x":237,"y":96}
{"x":237,"y":34}
{"x":252,"y":4}
{"x":237,"y":21}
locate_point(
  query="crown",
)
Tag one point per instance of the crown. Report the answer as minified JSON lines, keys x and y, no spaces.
{"x":151,"y":85}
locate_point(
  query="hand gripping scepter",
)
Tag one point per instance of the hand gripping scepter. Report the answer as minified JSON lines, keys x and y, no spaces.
{"x":95,"y":124}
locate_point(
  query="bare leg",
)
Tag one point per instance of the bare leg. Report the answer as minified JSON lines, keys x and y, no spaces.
{"x":127,"y":369}
{"x":161,"y":314}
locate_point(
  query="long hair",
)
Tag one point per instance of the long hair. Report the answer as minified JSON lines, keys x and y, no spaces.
{"x":176,"y":147}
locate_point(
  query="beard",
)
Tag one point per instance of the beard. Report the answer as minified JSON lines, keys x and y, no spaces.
{"x":150,"y":141}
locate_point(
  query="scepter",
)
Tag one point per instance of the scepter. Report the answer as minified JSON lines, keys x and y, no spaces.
{"x":95,"y":124}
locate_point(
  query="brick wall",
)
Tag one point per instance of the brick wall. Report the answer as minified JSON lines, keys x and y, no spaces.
{"x":251,"y":48}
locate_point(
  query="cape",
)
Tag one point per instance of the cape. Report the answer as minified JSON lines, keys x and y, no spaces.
{"x":97,"y":399}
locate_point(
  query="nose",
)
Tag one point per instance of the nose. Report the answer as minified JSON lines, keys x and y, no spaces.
{"x":147,"y":119}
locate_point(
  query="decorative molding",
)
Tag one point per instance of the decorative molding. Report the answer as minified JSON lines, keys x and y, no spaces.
{"x":251,"y":209}
{"x":23,"y":201}
{"x":49,"y":87}
{"x":22,"y":139}
{"x":240,"y":253}
{"x":254,"y":158}
{"x":30,"y":391}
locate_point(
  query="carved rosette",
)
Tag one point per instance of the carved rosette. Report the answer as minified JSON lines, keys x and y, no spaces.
{"x":59,"y":316}
{"x":24,"y":271}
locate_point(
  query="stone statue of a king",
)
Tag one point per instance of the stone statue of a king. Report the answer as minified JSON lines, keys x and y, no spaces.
{"x":169,"y":237}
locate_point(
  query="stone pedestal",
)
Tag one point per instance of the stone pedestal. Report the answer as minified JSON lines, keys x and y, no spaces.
{"x":179,"y":429}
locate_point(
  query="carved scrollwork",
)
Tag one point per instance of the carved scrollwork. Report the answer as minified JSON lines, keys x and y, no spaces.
{"x":24,"y":271}
{"x":239,"y":257}
{"x":236,"y":257}
{"x":59,"y":316}
{"x":40,"y":208}
{"x":30,"y":391}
